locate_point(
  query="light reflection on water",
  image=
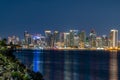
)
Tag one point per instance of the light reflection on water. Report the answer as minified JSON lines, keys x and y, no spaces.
{"x":72,"y":65}
{"x":37,"y":61}
{"x":68,"y":64}
{"x":113,"y":66}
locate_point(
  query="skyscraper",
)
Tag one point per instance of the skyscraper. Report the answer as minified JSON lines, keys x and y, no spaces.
{"x":92,"y":39}
{"x":61,"y":39}
{"x":26,"y":35}
{"x":82,"y":36}
{"x":82,"y":39}
{"x":105,"y":41}
{"x":66,"y":39}
{"x":27,"y":38}
{"x":73,"y":36}
{"x":55,"y":37}
{"x":48,"y":36}
{"x":99,"y":43}
{"x":114,"y":38}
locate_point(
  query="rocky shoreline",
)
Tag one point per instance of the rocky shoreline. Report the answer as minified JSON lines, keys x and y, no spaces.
{"x":12,"y":69}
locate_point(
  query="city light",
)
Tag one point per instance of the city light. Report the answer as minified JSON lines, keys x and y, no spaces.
{"x":72,"y":39}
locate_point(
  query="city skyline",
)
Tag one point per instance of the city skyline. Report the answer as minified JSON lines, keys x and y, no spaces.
{"x":67,"y":40}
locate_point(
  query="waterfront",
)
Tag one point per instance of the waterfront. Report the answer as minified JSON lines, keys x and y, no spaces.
{"x":72,"y":64}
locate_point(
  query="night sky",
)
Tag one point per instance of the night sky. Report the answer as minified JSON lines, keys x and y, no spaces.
{"x":35,"y":16}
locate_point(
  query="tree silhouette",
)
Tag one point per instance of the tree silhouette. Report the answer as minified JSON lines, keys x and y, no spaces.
{"x":3,"y":42}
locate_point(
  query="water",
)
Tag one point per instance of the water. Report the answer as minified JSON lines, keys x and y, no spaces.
{"x":72,"y":65}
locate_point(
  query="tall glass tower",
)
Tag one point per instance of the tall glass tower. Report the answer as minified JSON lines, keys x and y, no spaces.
{"x":114,"y":38}
{"x":92,"y":39}
{"x":74,"y":41}
{"x":48,"y":36}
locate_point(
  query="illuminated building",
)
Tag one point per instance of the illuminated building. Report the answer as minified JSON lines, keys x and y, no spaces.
{"x":61,"y":39}
{"x":55,"y":37}
{"x":38,"y":40}
{"x":73,"y":36}
{"x":99,"y":42}
{"x":14,"y":39}
{"x":92,"y":39}
{"x":76,"y":41}
{"x":118,"y":44}
{"x":26,"y":35}
{"x":87,"y":43}
{"x":105,"y":41}
{"x":66,"y":39}
{"x":49,"y":40}
{"x":114,"y":38}
{"x":9,"y":40}
{"x":27,"y":39}
{"x":82,"y":38}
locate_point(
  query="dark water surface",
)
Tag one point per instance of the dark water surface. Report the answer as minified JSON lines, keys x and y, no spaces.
{"x":73,"y":64}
